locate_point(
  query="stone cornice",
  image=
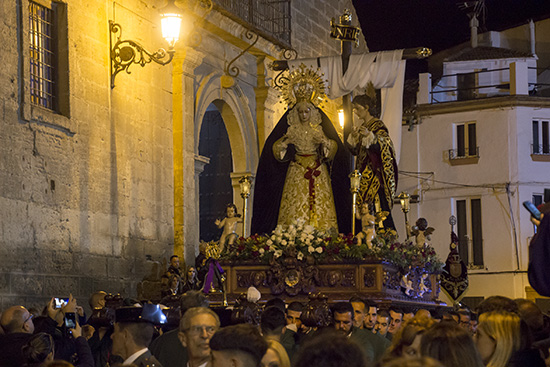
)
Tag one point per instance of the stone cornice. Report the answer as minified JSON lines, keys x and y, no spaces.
{"x":482,"y":104}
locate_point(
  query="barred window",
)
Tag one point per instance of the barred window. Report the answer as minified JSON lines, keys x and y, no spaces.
{"x":42,"y":56}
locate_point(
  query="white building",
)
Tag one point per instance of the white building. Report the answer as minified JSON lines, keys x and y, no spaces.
{"x":479,"y":149}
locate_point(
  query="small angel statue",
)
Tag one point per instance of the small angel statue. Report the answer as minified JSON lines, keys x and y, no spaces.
{"x":368,"y":221}
{"x":407,"y":284}
{"x":422,"y":232}
{"x":229,"y":225}
{"x":422,"y":287}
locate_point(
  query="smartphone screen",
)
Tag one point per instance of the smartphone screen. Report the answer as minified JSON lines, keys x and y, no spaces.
{"x":70,"y":320}
{"x":60,"y":302}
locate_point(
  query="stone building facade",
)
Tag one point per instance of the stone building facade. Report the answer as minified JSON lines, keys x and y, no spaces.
{"x":99,"y":188}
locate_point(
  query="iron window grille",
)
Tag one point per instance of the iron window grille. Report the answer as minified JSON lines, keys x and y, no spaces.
{"x":271,"y":18}
{"x":42,"y":56}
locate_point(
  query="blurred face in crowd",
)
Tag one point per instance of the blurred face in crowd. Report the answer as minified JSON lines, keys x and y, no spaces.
{"x":381,"y":326}
{"x":175,"y":262}
{"x":175,"y":282}
{"x":19,"y":317}
{"x":343,"y":322}
{"x":370,"y":320}
{"x":473,"y":326}
{"x":197,"y":338}
{"x":407,"y":316}
{"x":395,"y":321}
{"x":464,"y":321}
{"x":359,"y":318}
{"x":485,"y":345}
{"x":293,"y":317}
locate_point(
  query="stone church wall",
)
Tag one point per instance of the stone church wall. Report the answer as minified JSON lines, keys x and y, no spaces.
{"x":87,"y":195}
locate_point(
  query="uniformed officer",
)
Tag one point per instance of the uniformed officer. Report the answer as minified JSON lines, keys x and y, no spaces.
{"x":133,"y":332}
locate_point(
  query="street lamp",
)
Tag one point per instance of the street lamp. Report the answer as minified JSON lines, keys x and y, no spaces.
{"x":355,"y":182}
{"x":405,"y":201}
{"x":124,"y":53}
{"x":245,"y":183}
{"x":341,"y":118}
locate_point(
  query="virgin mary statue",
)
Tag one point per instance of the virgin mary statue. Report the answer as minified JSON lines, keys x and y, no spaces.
{"x":302,"y":175}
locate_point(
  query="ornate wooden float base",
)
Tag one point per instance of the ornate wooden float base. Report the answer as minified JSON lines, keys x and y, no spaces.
{"x":293,"y":281}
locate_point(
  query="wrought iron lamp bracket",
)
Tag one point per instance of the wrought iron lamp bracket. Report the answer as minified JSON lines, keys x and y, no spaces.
{"x":124,"y":53}
{"x":287,"y":54}
{"x":233,"y":71}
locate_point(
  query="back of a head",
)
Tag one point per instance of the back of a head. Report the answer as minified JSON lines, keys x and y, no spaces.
{"x":272,"y":321}
{"x":412,"y":362}
{"x":59,"y":363}
{"x":280,"y":351}
{"x":12,"y":320}
{"x":192,"y":299}
{"x":451,"y":345}
{"x":330,"y":349}
{"x":504,"y":329}
{"x":276,"y":302}
{"x":37,"y":348}
{"x":496,"y":303}
{"x":97,"y":299}
{"x":141,"y":332}
{"x":405,"y":335}
{"x":530,"y":313}
{"x":242,"y":338}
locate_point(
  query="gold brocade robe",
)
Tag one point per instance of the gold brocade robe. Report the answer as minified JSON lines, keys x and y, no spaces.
{"x":307,"y":193}
{"x":377,"y":165}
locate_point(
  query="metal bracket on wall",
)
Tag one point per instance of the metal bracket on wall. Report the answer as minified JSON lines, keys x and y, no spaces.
{"x":286,"y":54}
{"x":233,"y":71}
{"x":124,"y":53}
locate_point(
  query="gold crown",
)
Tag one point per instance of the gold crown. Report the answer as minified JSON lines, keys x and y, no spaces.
{"x":303,"y":84}
{"x":303,"y":92}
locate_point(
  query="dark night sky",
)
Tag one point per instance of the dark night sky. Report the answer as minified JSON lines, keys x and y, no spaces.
{"x":437,"y":24}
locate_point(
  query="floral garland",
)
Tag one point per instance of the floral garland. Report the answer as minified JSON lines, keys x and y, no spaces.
{"x":306,"y":243}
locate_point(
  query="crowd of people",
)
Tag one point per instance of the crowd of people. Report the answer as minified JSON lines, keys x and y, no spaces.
{"x":501,"y":332}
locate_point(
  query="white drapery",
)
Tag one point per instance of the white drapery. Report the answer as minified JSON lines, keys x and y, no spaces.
{"x":385,"y":69}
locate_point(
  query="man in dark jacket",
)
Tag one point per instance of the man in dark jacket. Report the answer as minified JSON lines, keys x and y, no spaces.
{"x":133,"y":333}
{"x":372,"y":345}
{"x":18,"y":327}
{"x":539,"y":254}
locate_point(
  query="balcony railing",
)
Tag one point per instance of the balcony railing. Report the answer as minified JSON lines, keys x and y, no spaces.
{"x":463,"y":153}
{"x":270,"y":18}
{"x":478,"y":84}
